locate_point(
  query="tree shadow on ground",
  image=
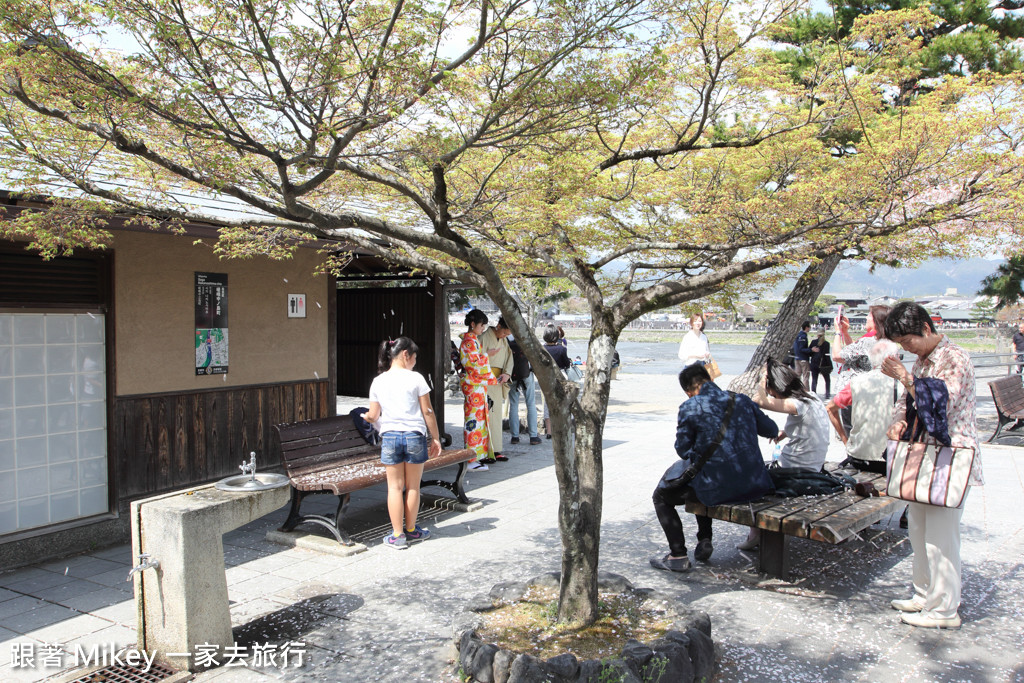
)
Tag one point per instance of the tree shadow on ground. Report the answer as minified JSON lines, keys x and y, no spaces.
{"x":295,"y":621}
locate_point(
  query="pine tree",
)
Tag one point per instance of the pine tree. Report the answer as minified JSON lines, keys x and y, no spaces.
{"x":1007,"y":283}
{"x":972,"y":36}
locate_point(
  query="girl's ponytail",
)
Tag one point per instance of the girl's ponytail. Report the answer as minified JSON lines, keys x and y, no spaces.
{"x":390,"y":348}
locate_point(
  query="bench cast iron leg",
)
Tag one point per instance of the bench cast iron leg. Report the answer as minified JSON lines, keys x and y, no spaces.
{"x":460,"y":479}
{"x":294,"y":518}
{"x":774,"y":555}
{"x":454,"y":486}
{"x":332,"y":525}
{"x":1002,"y":421}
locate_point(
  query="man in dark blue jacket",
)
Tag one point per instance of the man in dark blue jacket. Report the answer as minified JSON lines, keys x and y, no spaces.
{"x":734,"y":472}
{"x":802,"y":355}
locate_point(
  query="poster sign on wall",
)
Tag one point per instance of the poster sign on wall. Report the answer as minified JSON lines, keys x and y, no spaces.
{"x":211,"y":323}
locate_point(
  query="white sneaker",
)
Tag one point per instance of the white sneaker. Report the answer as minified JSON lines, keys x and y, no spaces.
{"x":908,"y":605}
{"x":752,"y":541}
{"x":478,"y":467}
{"x":922,"y":620}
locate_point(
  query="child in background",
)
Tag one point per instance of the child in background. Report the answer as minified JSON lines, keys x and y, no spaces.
{"x":400,"y":399}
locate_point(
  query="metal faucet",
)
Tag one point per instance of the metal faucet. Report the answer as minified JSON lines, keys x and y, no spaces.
{"x":146,"y":561}
{"x":249,"y":467}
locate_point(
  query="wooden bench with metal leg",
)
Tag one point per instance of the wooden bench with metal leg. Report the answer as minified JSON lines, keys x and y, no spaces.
{"x":1008,"y":395}
{"x":329,"y":455}
{"x":832,"y":518}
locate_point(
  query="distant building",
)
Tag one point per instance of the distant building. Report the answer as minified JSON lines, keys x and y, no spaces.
{"x":850,"y":300}
{"x":957,"y":315}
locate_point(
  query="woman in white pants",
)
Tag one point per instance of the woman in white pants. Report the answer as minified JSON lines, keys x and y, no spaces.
{"x":934,"y":530}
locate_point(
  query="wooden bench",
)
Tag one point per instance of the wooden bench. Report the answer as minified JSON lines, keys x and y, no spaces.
{"x":830,"y":518}
{"x":329,"y":455}
{"x":1008,"y":395}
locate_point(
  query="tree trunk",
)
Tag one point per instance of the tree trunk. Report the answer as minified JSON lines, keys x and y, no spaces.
{"x":577,"y":425}
{"x":786,"y":326}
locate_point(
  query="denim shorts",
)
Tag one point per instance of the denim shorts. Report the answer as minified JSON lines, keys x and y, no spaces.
{"x":399,"y":447}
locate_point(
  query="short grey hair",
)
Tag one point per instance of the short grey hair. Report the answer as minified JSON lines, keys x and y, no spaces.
{"x":881,"y":350}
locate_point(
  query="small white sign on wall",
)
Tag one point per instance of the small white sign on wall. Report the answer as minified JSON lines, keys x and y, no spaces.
{"x":296,"y":305}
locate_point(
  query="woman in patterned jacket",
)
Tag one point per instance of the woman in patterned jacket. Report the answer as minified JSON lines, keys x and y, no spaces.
{"x":934,"y":530}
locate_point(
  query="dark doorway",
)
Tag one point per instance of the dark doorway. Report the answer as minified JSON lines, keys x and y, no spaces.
{"x":369,"y":313}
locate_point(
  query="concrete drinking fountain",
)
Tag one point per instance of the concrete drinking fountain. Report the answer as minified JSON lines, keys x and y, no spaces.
{"x":253,"y":482}
{"x":181,"y":592}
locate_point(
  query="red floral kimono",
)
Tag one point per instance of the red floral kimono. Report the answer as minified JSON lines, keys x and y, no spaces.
{"x":474,"y":390}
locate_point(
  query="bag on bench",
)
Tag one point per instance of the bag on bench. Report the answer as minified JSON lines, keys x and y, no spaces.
{"x":795,"y":481}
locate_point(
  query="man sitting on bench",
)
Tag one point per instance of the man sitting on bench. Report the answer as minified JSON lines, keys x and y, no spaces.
{"x":720,"y":462}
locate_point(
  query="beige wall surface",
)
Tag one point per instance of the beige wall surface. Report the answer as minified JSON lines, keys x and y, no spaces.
{"x":154,"y":316}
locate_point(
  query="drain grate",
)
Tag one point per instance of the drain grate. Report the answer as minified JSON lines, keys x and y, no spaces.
{"x":119,"y":673}
{"x":430,"y":510}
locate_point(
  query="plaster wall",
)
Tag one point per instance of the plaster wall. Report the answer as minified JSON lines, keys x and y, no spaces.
{"x":154,"y":316}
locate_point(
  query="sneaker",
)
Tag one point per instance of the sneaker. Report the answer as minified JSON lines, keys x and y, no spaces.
{"x":534,"y":440}
{"x":478,"y":466}
{"x":908,"y":605}
{"x":670,"y":564}
{"x":702,"y":553}
{"x":514,"y":440}
{"x":397,"y":542}
{"x":417,"y":534}
{"x":752,"y":541}
{"x":923,"y":620}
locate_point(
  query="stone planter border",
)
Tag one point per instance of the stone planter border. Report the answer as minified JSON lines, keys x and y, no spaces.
{"x":685,"y":654}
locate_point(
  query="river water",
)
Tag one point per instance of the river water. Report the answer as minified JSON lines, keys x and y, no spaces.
{"x":659,"y":358}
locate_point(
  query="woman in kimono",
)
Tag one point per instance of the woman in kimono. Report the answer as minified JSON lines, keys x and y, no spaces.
{"x":474,"y":385}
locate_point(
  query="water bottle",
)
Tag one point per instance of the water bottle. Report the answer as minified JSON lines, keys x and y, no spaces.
{"x":776,"y":452}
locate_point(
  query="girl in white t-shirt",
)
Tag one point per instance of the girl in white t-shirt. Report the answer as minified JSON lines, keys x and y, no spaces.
{"x":695,"y":347}
{"x":400,"y":399}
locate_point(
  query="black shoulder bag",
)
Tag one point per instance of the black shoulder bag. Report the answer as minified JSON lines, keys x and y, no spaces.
{"x":673,"y":476}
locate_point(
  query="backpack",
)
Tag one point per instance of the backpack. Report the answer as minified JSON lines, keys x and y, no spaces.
{"x":795,"y":481}
{"x":520,"y":365}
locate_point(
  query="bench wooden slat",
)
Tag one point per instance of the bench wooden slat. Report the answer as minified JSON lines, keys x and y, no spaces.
{"x":846,"y":523}
{"x":310,"y":428}
{"x":330,"y":442}
{"x":1014,"y":409}
{"x":312,"y":458}
{"x":800,"y":523}
{"x":771,"y":518}
{"x":740,"y":513}
{"x":830,"y":509}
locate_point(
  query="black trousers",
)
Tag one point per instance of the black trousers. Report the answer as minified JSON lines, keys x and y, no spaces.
{"x":876,"y":466}
{"x":827,"y":376}
{"x":666,"y":498}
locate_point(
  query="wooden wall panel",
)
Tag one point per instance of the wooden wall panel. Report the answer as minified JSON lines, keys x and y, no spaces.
{"x":172,"y":441}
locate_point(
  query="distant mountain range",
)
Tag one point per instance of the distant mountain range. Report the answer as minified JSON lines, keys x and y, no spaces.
{"x":932,"y":277}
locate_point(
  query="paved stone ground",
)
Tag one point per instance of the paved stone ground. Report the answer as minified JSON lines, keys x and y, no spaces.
{"x":385,"y":615}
